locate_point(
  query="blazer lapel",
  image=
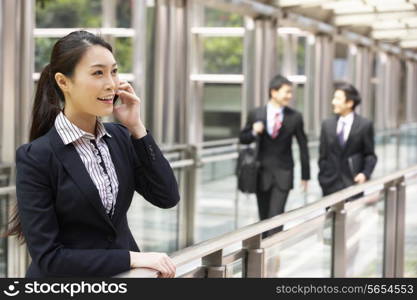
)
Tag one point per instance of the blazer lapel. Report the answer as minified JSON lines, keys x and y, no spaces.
{"x":333,"y":129}
{"x":285,"y":119}
{"x":72,"y":162}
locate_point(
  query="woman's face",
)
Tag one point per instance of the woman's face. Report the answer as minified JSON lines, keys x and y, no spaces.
{"x":94,"y":83}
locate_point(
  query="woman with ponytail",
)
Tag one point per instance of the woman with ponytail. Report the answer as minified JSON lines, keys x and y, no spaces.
{"x":76,"y":177}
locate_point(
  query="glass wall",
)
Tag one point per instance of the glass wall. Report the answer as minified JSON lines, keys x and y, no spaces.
{"x":340,"y":62}
{"x":220,"y":39}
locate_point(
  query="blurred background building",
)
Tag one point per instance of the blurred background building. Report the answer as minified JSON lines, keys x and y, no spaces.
{"x":199,"y":67}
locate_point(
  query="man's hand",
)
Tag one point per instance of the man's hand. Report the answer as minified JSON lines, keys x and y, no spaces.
{"x":258,"y":127}
{"x":360,"y":178}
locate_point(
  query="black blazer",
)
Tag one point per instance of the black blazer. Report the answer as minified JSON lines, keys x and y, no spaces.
{"x":66,"y":228}
{"x":335,"y":161}
{"x":275,"y":155}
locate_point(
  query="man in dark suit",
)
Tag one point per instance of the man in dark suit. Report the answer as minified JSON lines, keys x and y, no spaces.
{"x":274,"y":126}
{"x":347,"y":154}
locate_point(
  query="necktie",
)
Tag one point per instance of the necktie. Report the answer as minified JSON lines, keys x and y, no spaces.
{"x":277,"y":125}
{"x":341,"y":135}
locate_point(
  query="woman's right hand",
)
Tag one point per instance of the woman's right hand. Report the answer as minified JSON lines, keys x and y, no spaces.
{"x":153,"y":260}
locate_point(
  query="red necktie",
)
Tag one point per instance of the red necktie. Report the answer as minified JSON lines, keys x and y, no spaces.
{"x":277,"y":126}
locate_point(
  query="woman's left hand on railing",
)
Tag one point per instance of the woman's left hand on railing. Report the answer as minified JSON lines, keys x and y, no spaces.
{"x":153,"y":260}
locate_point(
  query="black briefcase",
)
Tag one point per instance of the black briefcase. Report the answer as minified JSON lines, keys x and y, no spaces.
{"x":356,"y":164}
{"x":247,"y":170}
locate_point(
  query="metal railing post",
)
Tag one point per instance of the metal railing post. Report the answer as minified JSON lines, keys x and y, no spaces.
{"x":390,"y":230}
{"x":255,"y":262}
{"x":400,"y":231}
{"x":214,"y":265}
{"x":339,"y":241}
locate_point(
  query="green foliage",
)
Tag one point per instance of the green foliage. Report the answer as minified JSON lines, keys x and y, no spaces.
{"x":68,"y":13}
{"x":123,"y":54}
{"x":301,"y":55}
{"x":223,"y":55}
{"x":124,"y":13}
{"x":43,"y":49}
{"x":217,"y":18}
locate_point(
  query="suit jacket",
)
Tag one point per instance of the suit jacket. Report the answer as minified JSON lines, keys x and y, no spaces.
{"x":335,"y":171}
{"x":275,"y":155}
{"x":66,"y":228}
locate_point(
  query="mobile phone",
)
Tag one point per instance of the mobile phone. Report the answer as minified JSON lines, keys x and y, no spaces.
{"x":116,"y":97}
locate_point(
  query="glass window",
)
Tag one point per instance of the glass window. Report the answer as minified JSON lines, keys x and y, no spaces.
{"x":217,"y":18}
{"x":43,"y":49}
{"x":280,"y":52}
{"x":301,"y":55}
{"x":68,"y":13}
{"x":223,"y":55}
{"x":340,"y":62}
{"x":123,"y":53}
{"x":299,"y":97}
{"x":222,"y":107}
{"x":124,"y":14}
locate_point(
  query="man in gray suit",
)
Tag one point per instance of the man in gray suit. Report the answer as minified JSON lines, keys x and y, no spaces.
{"x":347,"y":155}
{"x":274,"y":125}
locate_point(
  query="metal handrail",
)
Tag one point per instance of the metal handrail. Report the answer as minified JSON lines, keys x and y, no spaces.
{"x":7,"y":190}
{"x":207,"y":247}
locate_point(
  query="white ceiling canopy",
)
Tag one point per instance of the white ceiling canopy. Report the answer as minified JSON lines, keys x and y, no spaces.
{"x":388,"y":20}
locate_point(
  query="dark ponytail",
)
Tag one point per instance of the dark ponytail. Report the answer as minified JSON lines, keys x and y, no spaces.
{"x":49,"y":99}
{"x":46,"y":105}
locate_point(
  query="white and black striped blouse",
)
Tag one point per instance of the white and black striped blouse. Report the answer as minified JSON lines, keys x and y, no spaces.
{"x":95,"y":155}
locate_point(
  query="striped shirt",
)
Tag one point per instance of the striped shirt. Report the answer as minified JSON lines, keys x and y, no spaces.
{"x":95,"y":156}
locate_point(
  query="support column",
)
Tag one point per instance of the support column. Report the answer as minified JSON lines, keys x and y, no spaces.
{"x":139,"y":55}
{"x":260,"y":61}
{"x":320,"y":79}
{"x":411,"y":93}
{"x":361,"y":58}
{"x":16,"y":94}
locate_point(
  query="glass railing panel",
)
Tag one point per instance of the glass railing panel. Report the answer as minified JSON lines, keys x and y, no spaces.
{"x":306,"y":253}
{"x":235,"y":269}
{"x":408,"y":146}
{"x":410,"y":247}
{"x":216,"y":198}
{"x":365,"y":236}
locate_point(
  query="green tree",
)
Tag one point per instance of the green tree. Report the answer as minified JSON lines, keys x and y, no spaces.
{"x":68,"y":13}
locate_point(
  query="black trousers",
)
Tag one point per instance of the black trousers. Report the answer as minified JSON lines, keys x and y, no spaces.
{"x":271,"y":203}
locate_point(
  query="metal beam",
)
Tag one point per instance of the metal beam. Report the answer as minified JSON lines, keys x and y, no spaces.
{"x":408,"y":44}
{"x":244,"y":7}
{"x":395,"y":34}
{"x":367,"y":19}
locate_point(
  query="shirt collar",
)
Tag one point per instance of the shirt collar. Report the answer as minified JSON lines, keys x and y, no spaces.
{"x":347,"y":119}
{"x":70,"y":133}
{"x":273,"y":109}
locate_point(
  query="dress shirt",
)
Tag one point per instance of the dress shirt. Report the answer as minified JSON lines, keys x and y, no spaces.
{"x":348,"y":120}
{"x":271,"y":111}
{"x":95,"y":155}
